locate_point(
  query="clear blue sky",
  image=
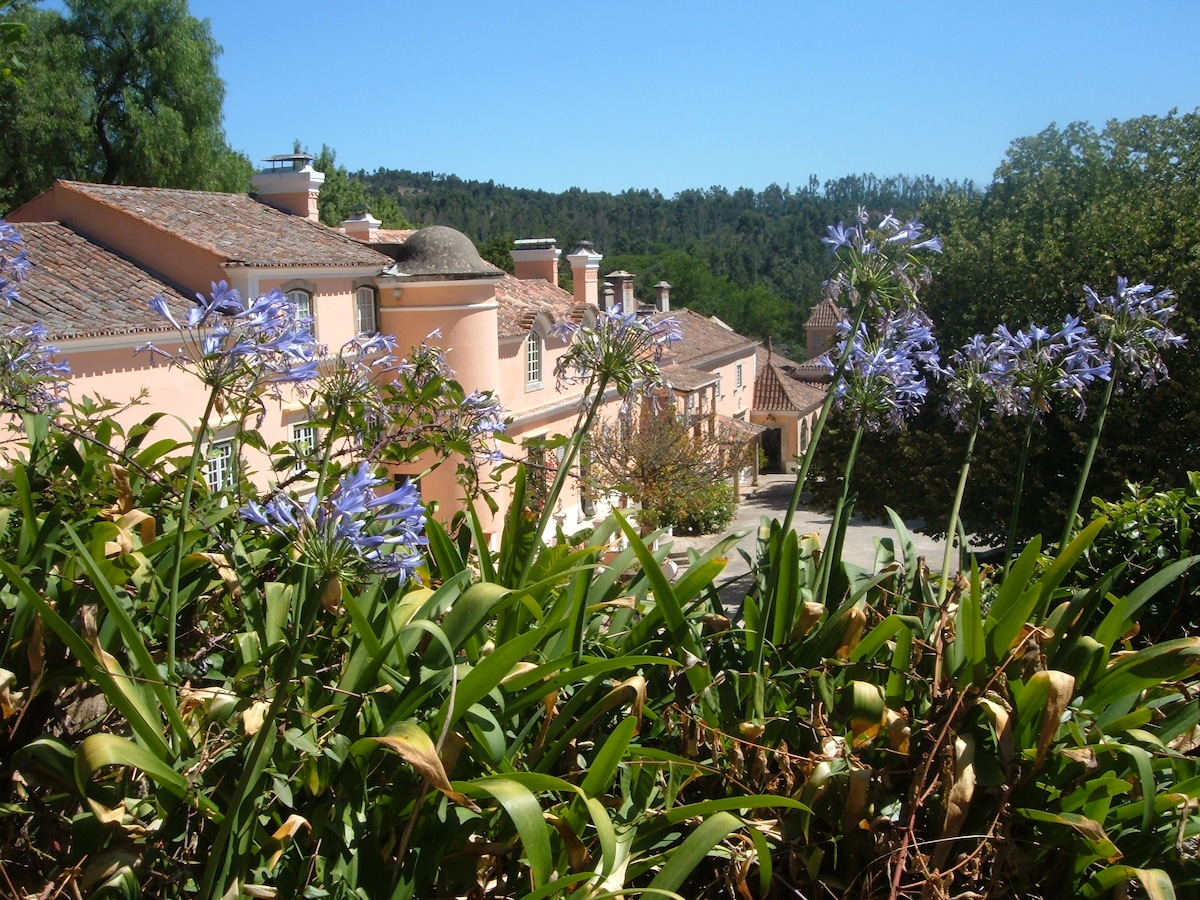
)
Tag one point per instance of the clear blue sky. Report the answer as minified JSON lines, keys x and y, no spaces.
{"x":668,"y":95}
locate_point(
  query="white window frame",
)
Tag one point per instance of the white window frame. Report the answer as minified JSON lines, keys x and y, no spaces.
{"x":366,"y":298}
{"x":737,"y":377}
{"x":304,"y":440}
{"x":535,"y":354}
{"x":304,"y":302}
{"x":218,"y":465}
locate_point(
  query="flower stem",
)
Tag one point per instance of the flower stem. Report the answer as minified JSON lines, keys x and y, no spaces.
{"x":952,"y":526}
{"x":827,"y":560}
{"x":1069,"y":525}
{"x":1010,"y":544}
{"x":185,"y":508}
{"x":584,"y":423}
{"x":819,"y":427}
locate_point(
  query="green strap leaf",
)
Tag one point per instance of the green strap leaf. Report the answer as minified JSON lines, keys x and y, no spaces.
{"x":682,"y":861}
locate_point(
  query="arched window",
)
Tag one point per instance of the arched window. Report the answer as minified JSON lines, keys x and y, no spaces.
{"x":534,"y":351}
{"x":366,"y":311}
{"x":303,"y":301}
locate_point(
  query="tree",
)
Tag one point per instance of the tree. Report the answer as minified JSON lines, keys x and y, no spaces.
{"x":118,"y":91}
{"x":342,"y":194}
{"x":674,"y":469}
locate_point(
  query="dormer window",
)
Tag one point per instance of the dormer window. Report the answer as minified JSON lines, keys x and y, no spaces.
{"x":303,"y":301}
{"x":366,"y":311}
{"x":534,"y":351}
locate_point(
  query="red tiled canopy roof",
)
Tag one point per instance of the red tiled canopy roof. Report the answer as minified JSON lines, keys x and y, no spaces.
{"x":236,"y":227}
{"x":775,"y":391}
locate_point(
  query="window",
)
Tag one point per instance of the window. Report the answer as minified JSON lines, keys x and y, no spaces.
{"x":218,"y":468}
{"x":533,"y":360}
{"x":367,"y":321}
{"x":304,"y":439}
{"x":737,"y":377}
{"x":303,"y":301}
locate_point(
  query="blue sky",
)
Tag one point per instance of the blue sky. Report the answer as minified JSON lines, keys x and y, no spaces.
{"x":668,"y":95}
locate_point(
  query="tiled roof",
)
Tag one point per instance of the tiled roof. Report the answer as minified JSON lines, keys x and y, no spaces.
{"x":522,"y":300}
{"x":79,"y":289}
{"x":704,"y":338}
{"x":236,"y":227}
{"x":687,"y":378}
{"x":391,"y":235}
{"x":825,"y":314}
{"x":776,"y":391}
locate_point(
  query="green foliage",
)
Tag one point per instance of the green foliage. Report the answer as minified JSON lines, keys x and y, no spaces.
{"x":704,"y":509}
{"x":753,"y":258}
{"x":1148,"y":529}
{"x":1070,"y":206}
{"x":342,"y":196}
{"x":118,"y":91}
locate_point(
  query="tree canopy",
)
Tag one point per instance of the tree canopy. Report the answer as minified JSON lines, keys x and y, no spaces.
{"x":116,"y":91}
{"x":1069,"y":206}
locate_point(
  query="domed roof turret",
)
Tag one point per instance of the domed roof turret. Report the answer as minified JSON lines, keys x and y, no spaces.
{"x":439,"y":252}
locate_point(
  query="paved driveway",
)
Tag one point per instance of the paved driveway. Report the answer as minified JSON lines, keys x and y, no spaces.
{"x":770,"y":498}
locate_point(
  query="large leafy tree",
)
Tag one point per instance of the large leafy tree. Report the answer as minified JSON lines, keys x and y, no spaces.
{"x":1069,"y":206}
{"x":117,"y":91}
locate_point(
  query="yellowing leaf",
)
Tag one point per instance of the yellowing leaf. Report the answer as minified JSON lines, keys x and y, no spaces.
{"x":416,"y":748}
{"x":254,"y":716}
{"x":284,"y":834}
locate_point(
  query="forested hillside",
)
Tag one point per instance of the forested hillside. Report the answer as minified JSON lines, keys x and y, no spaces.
{"x":754,"y":258}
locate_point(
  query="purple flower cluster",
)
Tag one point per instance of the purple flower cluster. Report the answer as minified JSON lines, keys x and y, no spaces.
{"x":879,"y":264}
{"x":622,"y":348}
{"x":31,"y":378}
{"x":1032,"y":366}
{"x":349,"y":381}
{"x":353,"y":528}
{"x":883,"y":381}
{"x":14,"y":263}
{"x":1131,"y":327}
{"x":259,"y":344}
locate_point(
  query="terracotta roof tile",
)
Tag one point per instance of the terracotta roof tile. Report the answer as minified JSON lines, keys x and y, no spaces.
{"x":825,"y":314}
{"x":687,"y":378}
{"x":776,"y":391}
{"x":523,"y":300}
{"x":704,"y":338}
{"x":236,"y":227}
{"x":79,"y":289}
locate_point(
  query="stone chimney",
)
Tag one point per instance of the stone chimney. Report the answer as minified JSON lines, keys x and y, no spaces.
{"x":362,"y":226}
{"x":585,"y":272}
{"x":662,"y":297}
{"x":609,"y":302}
{"x":291,"y":183}
{"x":536,"y":258}
{"x":622,"y":285}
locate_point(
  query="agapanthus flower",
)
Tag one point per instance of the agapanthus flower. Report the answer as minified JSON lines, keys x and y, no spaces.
{"x":1131,"y":328}
{"x":622,"y":348}
{"x":978,"y":372}
{"x":14,"y":263}
{"x":350,"y":380}
{"x":31,"y":377}
{"x":1038,"y":365}
{"x":250,"y":347}
{"x":878,"y":264}
{"x":884,"y":379}
{"x":353,"y":528}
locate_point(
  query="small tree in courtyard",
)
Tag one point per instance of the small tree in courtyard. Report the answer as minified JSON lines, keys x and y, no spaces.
{"x":674,"y":468}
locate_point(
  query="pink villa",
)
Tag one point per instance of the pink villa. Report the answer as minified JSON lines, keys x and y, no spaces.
{"x":100,"y":252}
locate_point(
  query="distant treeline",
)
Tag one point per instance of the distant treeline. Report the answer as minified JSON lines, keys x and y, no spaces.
{"x":753,"y":258}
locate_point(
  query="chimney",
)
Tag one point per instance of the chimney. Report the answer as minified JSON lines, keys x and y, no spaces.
{"x":362,"y":226}
{"x":291,"y":183}
{"x":622,"y":285}
{"x":536,"y":258}
{"x":662,"y":297}
{"x":585,"y":272}
{"x":609,"y":302}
